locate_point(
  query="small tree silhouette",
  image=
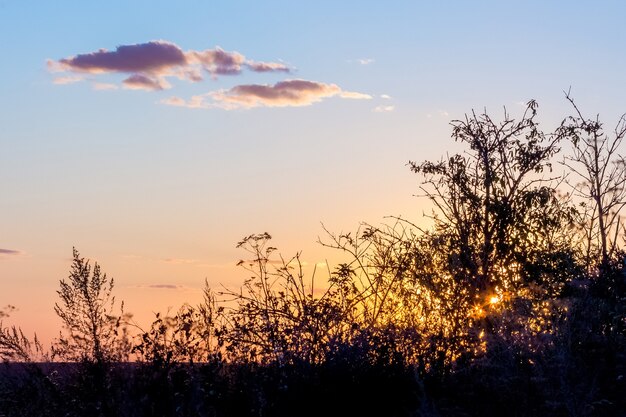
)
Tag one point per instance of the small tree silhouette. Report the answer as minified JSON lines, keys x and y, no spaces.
{"x":93,"y":332}
{"x":601,"y":172}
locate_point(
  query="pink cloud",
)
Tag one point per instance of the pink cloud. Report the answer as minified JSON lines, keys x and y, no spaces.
{"x":149,"y":63}
{"x":180,"y":261}
{"x":174,"y":101}
{"x":10,"y":252}
{"x":217,"y":61}
{"x":282,"y":94}
{"x":166,"y":286}
{"x":267,"y":66}
{"x":104,"y":86}
{"x":67,"y":80}
{"x":151,"y":57}
{"x":195,"y":102}
{"x":289,"y":93}
{"x":148,"y":66}
{"x":143,"y":82}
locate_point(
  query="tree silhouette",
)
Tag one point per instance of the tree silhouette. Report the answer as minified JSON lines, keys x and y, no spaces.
{"x":601,"y":172}
{"x":93,"y":332}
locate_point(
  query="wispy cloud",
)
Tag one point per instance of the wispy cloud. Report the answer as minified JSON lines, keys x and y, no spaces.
{"x":10,"y":253}
{"x":267,"y":66}
{"x":165,"y":286}
{"x":289,"y":93}
{"x":383,"y":109}
{"x":104,"y":86}
{"x":71,"y":79}
{"x":179,"y":261}
{"x":365,"y":61}
{"x":441,"y":113}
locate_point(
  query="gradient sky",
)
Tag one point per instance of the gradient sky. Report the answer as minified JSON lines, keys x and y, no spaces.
{"x":154,"y":135}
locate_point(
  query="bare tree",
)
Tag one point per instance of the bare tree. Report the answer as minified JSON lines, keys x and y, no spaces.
{"x":601,"y":172}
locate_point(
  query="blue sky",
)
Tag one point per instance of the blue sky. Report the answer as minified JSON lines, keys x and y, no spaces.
{"x":160,"y":194}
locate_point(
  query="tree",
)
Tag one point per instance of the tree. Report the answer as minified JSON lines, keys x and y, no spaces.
{"x":602,"y":178}
{"x":93,"y":332}
{"x":492,"y":206}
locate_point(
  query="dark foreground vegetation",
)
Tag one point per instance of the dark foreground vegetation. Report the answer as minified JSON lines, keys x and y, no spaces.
{"x":512,"y":303}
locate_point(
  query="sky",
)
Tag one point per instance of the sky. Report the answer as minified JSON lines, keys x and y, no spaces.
{"x":154,"y":135}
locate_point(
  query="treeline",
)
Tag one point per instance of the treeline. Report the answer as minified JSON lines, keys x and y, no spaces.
{"x":512,"y":303}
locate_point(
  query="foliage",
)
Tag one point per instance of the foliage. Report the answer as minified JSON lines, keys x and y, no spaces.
{"x":277,"y":315}
{"x":184,"y":337}
{"x":601,"y":172}
{"x":512,"y":303}
{"x":15,"y":346}
{"x":93,"y":332}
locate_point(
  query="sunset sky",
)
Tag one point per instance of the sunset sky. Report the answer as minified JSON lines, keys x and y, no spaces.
{"x":153,"y":135}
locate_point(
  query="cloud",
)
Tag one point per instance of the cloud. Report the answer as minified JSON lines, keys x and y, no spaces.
{"x":174,"y":101}
{"x":179,"y":261}
{"x":289,"y":93}
{"x":218,"y":62}
{"x":5,"y":253}
{"x":267,"y":66}
{"x":104,"y":86}
{"x":383,"y":109}
{"x":143,"y":82}
{"x":441,"y":113}
{"x":67,"y":80}
{"x":150,"y":66}
{"x":10,"y":252}
{"x":365,"y":61}
{"x":149,"y":63}
{"x":385,"y":96}
{"x":354,"y":95}
{"x":150,"y":57}
{"x":165,"y":286}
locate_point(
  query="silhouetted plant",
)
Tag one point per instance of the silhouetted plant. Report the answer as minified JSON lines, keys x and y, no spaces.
{"x":512,"y":303}
{"x":601,"y":172}
{"x":16,"y":347}
{"x":93,"y":332}
{"x":185,"y":337}
{"x":277,"y":315}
